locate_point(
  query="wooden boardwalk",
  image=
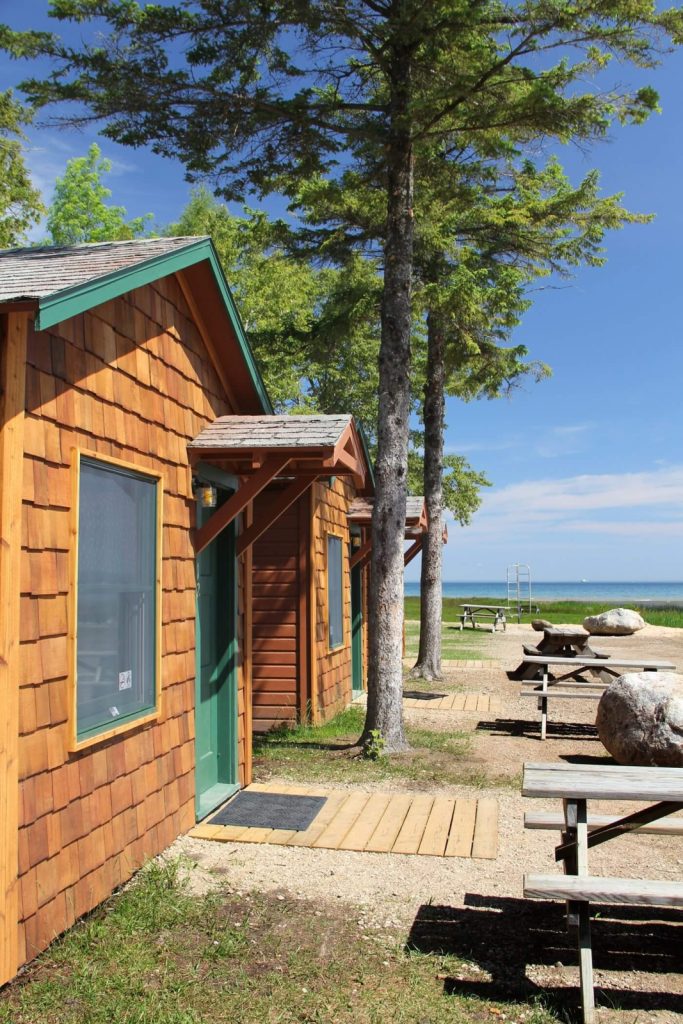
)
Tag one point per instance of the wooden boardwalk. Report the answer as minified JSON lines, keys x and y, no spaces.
{"x":483,"y":703}
{"x":411,"y":823}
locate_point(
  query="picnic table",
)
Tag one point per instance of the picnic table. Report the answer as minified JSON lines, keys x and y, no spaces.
{"x":575,"y":785}
{"x":490,"y":612}
{"x":559,"y":642}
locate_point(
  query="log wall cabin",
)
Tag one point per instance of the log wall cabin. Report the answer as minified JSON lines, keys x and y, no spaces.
{"x":108,"y":371}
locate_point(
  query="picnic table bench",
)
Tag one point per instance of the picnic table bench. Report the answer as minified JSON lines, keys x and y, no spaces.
{"x":605,"y":668}
{"x":489,"y":612}
{"x":575,"y":785}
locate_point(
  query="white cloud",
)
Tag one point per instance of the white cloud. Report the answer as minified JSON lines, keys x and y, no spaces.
{"x":635,"y":528}
{"x":564,"y":440}
{"x":576,"y":428}
{"x":575,"y":504}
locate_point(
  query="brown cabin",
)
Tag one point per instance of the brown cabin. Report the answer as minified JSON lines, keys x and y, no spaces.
{"x":126,"y":581}
{"x":308,"y":602}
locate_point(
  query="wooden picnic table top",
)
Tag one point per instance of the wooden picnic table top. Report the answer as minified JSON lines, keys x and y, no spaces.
{"x":568,"y":631}
{"x":486,"y":607}
{"x":602,"y":782}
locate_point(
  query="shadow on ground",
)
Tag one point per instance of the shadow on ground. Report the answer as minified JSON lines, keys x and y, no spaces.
{"x":529,"y":727}
{"x":501,"y":936}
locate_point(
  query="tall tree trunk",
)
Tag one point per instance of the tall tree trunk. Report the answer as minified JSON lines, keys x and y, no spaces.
{"x":385,"y":619}
{"x":428,"y":665}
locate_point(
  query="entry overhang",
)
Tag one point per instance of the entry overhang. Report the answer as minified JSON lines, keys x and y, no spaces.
{"x":360,"y":514}
{"x":259,"y":449}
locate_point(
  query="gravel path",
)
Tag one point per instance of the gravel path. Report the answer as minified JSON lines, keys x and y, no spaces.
{"x":392,"y":891}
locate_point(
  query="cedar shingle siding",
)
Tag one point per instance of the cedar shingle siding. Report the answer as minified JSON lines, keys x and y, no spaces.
{"x":129,"y":379}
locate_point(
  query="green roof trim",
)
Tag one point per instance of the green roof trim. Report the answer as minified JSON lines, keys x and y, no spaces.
{"x":64,"y":304}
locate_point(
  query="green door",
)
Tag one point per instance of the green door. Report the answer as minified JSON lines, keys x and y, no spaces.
{"x":357,"y":630}
{"x":216,"y":670}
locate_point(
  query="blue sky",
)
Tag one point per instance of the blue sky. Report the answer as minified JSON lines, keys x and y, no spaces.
{"x":587,"y":467}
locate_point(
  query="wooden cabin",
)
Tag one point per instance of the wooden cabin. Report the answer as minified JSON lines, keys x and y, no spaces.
{"x":113,"y":357}
{"x":137,"y":443}
{"x":310,"y":656}
{"x":308,"y":633}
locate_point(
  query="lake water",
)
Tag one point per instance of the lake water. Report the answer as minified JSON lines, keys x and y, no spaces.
{"x":615,"y":593}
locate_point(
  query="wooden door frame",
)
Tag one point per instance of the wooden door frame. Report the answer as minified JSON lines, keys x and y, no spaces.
{"x":228,"y":574}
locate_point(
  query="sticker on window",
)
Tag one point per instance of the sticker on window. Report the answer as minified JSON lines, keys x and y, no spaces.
{"x":114,"y":712}
{"x":126,"y":680}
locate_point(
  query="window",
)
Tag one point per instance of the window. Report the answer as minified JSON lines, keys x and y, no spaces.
{"x":335,"y":591}
{"x":117,"y":602}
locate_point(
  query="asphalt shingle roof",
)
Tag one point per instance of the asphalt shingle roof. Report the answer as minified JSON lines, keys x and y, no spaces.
{"x":33,"y":273}
{"x":250,"y":432}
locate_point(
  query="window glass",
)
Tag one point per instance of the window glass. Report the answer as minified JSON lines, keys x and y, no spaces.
{"x":335,"y":593}
{"x":116,"y":614}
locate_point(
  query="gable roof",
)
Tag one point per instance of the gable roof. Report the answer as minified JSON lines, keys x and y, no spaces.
{"x":46,"y":270}
{"x":67,"y":280}
{"x":360,"y":511}
{"x":284,"y":446}
{"x":250,"y":432}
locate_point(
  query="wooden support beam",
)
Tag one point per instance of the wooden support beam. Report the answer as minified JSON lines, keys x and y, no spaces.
{"x":272,"y":512}
{"x":349,"y":462}
{"x":247,"y":653}
{"x":414,"y":548}
{"x":12,"y":405}
{"x":363,"y":553}
{"x":238,"y":502}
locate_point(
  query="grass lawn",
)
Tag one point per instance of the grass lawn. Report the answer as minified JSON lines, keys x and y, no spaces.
{"x":154,"y":954}
{"x":455,"y":645}
{"x":327,"y":753}
{"x":553,"y":611}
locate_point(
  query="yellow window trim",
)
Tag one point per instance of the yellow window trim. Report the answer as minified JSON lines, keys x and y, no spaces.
{"x":74,"y":744}
{"x":337,"y":647}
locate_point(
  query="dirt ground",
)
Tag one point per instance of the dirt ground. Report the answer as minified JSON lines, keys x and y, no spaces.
{"x":475,"y":908}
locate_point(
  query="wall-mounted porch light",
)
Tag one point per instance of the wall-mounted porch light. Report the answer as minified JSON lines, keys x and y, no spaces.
{"x":204,"y":494}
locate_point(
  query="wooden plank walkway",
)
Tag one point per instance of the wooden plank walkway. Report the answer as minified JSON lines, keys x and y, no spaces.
{"x":479,"y":703}
{"x":483,"y":703}
{"x":464,"y":663}
{"x":411,"y":823}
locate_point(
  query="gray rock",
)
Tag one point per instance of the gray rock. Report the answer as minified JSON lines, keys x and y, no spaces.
{"x":640,"y":719}
{"x":617,"y":622}
{"x":540,"y":624}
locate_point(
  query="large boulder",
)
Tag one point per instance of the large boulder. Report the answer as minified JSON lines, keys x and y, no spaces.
{"x":640,"y":719}
{"x":540,"y":624}
{"x":617,"y":622}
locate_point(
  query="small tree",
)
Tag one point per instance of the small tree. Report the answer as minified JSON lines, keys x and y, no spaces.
{"x":79,"y":211}
{"x":20,"y":202}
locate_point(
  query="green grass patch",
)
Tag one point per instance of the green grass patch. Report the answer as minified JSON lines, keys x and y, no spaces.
{"x":157,"y":955}
{"x":328,"y":753}
{"x":553,"y":611}
{"x":456,"y":645}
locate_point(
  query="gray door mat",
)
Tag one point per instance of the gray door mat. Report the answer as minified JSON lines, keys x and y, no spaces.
{"x":423,"y":695}
{"x":270,"y":810}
